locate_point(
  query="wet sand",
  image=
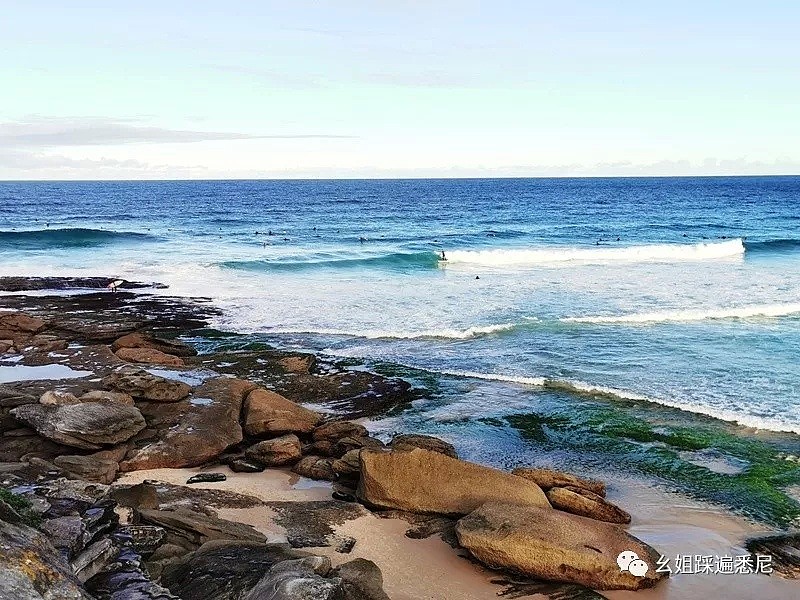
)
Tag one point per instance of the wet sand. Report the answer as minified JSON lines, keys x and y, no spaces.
{"x":430,"y":569}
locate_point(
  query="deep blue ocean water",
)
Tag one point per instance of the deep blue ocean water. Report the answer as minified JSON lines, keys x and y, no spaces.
{"x":683,"y":292}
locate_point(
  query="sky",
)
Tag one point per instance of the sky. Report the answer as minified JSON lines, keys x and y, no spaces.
{"x":244,"y":89}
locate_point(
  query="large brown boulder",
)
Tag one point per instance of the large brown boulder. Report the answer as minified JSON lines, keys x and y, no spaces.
{"x":315,"y":467}
{"x":266,"y":412}
{"x":423,"y":481}
{"x":140,"y":340}
{"x":202,"y":430}
{"x":101,"y":467}
{"x":279,"y":451}
{"x":88,"y":425}
{"x":549,"y":544}
{"x":579,"y":501}
{"x":336,"y":430}
{"x":149,"y":356}
{"x":409,"y":441}
{"x":549,"y":478}
{"x":146,"y":386}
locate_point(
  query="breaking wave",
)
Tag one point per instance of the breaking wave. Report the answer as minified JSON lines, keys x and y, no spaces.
{"x":43,"y":239}
{"x":744,"y":312}
{"x":601,"y":254}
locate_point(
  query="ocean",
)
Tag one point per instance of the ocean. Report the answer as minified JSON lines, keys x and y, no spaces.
{"x":574,"y":320}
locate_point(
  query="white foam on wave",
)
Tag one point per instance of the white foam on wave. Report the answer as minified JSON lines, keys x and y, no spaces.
{"x":601,"y":254}
{"x":582,"y":388}
{"x":450,"y":334}
{"x":744,"y":312}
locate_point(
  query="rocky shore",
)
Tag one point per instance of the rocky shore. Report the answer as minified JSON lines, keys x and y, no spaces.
{"x":100,"y":392}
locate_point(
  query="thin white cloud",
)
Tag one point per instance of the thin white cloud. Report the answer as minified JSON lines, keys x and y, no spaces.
{"x":50,"y":132}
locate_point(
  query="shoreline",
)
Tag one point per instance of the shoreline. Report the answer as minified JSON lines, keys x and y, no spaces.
{"x":670,"y":522}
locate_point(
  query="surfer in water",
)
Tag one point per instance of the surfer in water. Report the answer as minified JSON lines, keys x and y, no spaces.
{"x":443,"y":258}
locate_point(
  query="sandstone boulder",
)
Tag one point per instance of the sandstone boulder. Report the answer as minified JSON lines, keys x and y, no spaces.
{"x":336,"y":430}
{"x":428,"y":442}
{"x":57,"y":398}
{"x":315,"y":467}
{"x":88,"y":425}
{"x":279,"y":451}
{"x":101,"y":467}
{"x":423,"y":481}
{"x":140,"y":340}
{"x":266,"y":412}
{"x":149,"y":356}
{"x":548,"y":544}
{"x":107,"y":397}
{"x":242,"y":465}
{"x":549,"y":478}
{"x":202,"y":431}
{"x":141,"y":384}
{"x":6,"y":346}
{"x":579,"y":501}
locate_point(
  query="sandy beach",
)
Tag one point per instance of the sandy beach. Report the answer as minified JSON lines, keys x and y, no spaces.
{"x":429,"y":569}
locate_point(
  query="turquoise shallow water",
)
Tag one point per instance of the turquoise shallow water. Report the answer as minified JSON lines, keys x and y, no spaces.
{"x":645,"y":328}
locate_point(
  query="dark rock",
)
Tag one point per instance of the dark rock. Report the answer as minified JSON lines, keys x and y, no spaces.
{"x":22,"y":284}
{"x":224,"y":570}
{"x":311,"y":524}
{"x":190,"y":529}
{"x":349,"y":465}
{"x":206,"y":478}
{"x":145,"y":539}
{"x":427,"y":442}
{"x":11,"y":397}
{"x":315,"y":467}
{"x":244,"y":465}
{"x":68,"y":534}
{"x":784,"y":549}
{"x":139,"y":496}
{"x":362,"y":580}
{"x":88,"y":425}
{"x":94,"y":559}
{"x":297,"y":580}
{"x":283,"y":450}
{"x":31,"y":569}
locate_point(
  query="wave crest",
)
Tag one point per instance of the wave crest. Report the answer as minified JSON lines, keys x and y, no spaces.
{"x":448,"y":334}
{"x":744,"y":312}
{"x":600,"y":254}
{"x":42,"y":239}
